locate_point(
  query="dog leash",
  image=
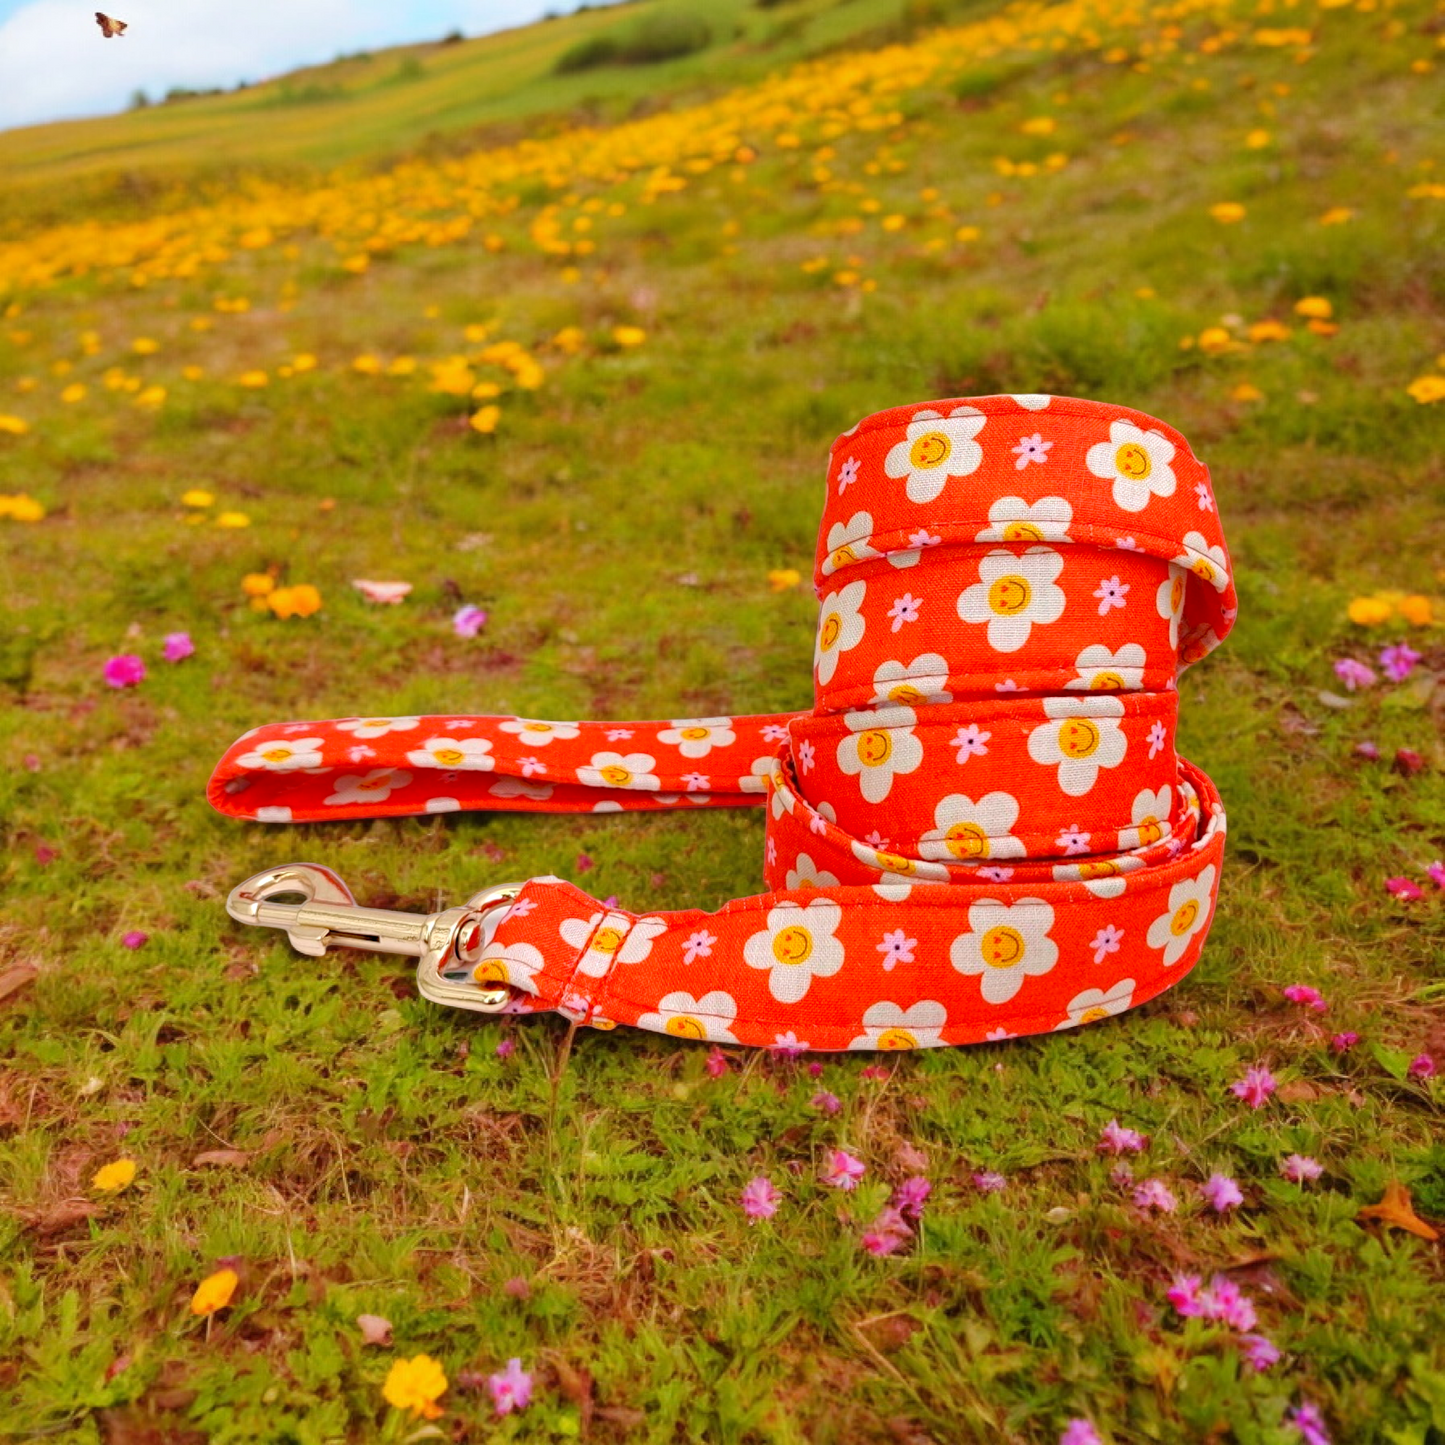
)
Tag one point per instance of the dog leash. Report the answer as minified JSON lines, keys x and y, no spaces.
{"x":981,"y":830}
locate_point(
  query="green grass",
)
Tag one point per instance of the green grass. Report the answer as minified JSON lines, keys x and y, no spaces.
{"x":619,"y":528}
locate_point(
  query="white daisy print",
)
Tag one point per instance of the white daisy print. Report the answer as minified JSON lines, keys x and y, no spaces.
{"x":970,"y":831}
{"x":1103,"y":877}
{"x":1006,"y":943}
{"x":1103,"y":671}
{"x":1149,"y":816}
{"x":1011,"y":519}
{"x":840,"y":628}
{"x":532,"y":733}
{"x":470,"y":755}
{"x":757,"y":780}
{"x":1136,"y":461}
{"x":1189,"y":905}
{"x":696,"y":737}
{"x":1031,"y":449}
{"x":376,"y":727}
{"x":1097,"y":1003}
{"x":1013,"y":593}
{"x":795,"y":944}
{"x":922,"y":680}
{"x":520,"y":788}
{"x":284,"y":757}
{"x":610,"y":938}
{"x":887,"y":1026}
{"x":685,"y":1017}
{"x":808,"y":875}
{"x":1081,"y":736}
{"x":276,"y":814}
{"x":442,"y":805}
{"x":1209,"y":564}
{"x":936,"y":449}
{"x":877,"y":746}
{"x":370,"y":787}
{"x":894,"y":867}
{"x":1032,"y":401}
{"x":513,"y":965}
{"x":848,"y":543}
{"x":621,"y":770}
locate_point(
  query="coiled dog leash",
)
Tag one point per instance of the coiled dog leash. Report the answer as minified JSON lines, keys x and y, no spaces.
{"x":981,"y":830}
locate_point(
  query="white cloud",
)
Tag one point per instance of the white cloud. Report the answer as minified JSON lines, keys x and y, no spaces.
{"x":54,"y":62}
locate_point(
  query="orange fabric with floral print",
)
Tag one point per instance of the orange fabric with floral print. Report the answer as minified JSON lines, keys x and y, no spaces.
{"x":981,"y":829}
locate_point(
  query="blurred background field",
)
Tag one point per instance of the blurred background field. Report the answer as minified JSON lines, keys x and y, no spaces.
{"x":567,"y":340}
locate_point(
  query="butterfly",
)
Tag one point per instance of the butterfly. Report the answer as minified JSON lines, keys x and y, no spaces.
{"x":109,"y":27}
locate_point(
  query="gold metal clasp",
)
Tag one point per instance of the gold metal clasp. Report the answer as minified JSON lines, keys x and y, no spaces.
{"x":317,"y":911}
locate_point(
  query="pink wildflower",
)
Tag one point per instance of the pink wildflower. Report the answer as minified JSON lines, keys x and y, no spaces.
{"x":1436,"y":871}
{"x":1354,"y":674}
{"x":126,"y":670}
{"x":908,"y":1198}
{"x":887,"y":1234}
{"x":1298,"y":1168}
{"x":1405,"y":888}
{"x":1307,"y":1419}
{"x":1116,"y":1139}
{"x":1342,"y":1043}
{"x":1303,"y":993}
{"x":584,"y":863}
{"x":1422,"y":1066}
{"x":511,"y":1388}
{"x":1183,"y":1294}
{"x":1259,"y":1353}
{"x":178,"y":646}
{"x":1080,"y":1432}
{"x":874,"y":1071}
{"x":828,"y":1103}
{"x":716,"y":1063}
{"x":760,"y":1198}
{"x":1222,"y":1193}
{"x":1399,"y":661}
{"x":1224,"y":1300}
{"x":468,"y":621}
{"x":1255,"y":1087}
{"x":1408,"y":761}
{"x":134,"y":939}
{"x":1122,"y":1174}
{"x":506,"y":1048}
{"x":1369,"y":751}
{"x":986,"y":1181}
{"x":1154,"y":1194}
{"x":844,"y":1171}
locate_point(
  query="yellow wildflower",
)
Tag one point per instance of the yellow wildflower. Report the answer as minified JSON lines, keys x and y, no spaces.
{"x":782,"y":578}
{"x":1368,"y":611}
{"x":74,"y":392}
{"x":14,"y":425}
{"x":570,"y":339}
{"x":452,"y":377}
{"x":299,"y":601}
{"x":476,"y":332}
{"x":114,"y":1177}
{"x":628,"y":335}
{"x":197,"y":497}
{"x":1322,"y":328}
{"x":529,"y":376}
{"x":257,"y":584}
{"x":1227,"y":212}
{"x":485,"y":420}
{"x":21,"y":507}
{"x":1039,"y":125}
{"x":214,"y":1292}
{"x":1268,"y":330}
{"x":152,"y":396}
{"x":253,"y":379}
{"x":233,"y":520}
{"x":1317,"y":307}
{"x":485,"y":391}
{"x":894,"y":222}
{"x":1256,"y":140}
{"x":1417,"y":610}
{"x":1337,"y":216}
{"x":401,"y":366}
{"x":356,"y":264}
{"x":145,"y":346}
{"x":303,"y":361}
{"x":367,"y":364}
{"x":1214,"y":339}
{"x":1245,"y":391}
{"x":967,"y":233}
{"x":416,"y":1385}
{"x":193,"y":373}
{"x":1426,"y":389}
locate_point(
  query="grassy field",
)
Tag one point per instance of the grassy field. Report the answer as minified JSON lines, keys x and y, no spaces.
{"x":698,"y":299}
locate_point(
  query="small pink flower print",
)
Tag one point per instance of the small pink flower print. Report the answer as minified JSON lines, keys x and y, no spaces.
{"x":1300,"y":1168}
{"x":1158,"y":736}
{"x":774,"y":733}
{"x":1031,"y":449}
{"x":1342,"y":1043}
{"x":1422,"y":1066}
{"x":844,"y":1171}
{"x":511,"y":1388}
{"x":1073,"y":840}
{"x":828,"y":1103}
{"x":1303,"y":993}
{"x":1221,"y":1193}
{"x":1116,"y":1139}
{"x":988,"y":1181}
{"x":1127,"y":544}
{"x":905,"y":609}
{"x":923,"y":538}
{"x":995,"y":873}
{"x":1354,"y":674}
{"x":1399,"y":661}
{"x":468,"y":621}
{"x":875,"y":839}
{"x":127,"y":670}
{"x":760,"y":1198}
{"x":1106,"y":941}
{"x":807,"y":755}
{"x":847,"y":474}
{"x":134,"y":939}
{"x":818,"y":824}
{"x":1206,"y":502}
{"x":1111,"y":593}
{"x":1404,"y":888}
{"x":698,"y":945}
{"x":696,"y":782}
{"x":531,"y":767}
{"x":1259,"y":1353}
{"x":1007,"y":685}
{"x":896,"y":947}
{"x":178,"y":647}
{"x":788,"y":1046}
{"x":1155,"y":1194}
{"x":520,"y":909}
{"x":1255,"y":1087}
{"x":616,"y":735}
{"x":970,"y":742}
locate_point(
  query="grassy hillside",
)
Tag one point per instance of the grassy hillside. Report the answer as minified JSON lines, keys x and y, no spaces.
{"x":585,"y":378}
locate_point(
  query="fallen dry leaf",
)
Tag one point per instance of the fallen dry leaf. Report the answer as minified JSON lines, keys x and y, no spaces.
{"x":16,"y":977}
{"x":1395,"y":1208}
{"x":375,"y":1330}
{"x":237,"y":1158}
{"x":1297,"y":1091}
{"x":60,"y":1217}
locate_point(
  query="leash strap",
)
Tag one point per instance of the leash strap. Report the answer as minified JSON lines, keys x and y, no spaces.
{"x":981,"y":830}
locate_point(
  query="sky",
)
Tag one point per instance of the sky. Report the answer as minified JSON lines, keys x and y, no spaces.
{"x":55,"y":64}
